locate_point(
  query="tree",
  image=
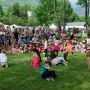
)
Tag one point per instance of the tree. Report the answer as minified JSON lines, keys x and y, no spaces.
{"x":52,"y":11}
{"x":1,"y":11}
{"x":44,"y":12}
{"x":23,"y":10}
{"x":5,"y":20}
{"x":16,"y":9}
{"x":85,"y":3}
{"x":54,"y":3}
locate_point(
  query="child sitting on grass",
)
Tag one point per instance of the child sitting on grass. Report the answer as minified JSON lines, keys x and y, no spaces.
{"x":13,"y":49}
{"x":46,"y":73}
{"x":59,"y":60}
{"x":20,"y":50}
{"x":36,"y":60}
{"x":3,"y":59}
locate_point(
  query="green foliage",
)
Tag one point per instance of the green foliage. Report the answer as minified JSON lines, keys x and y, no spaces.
{"x":74,"y":17}
{"x":23,"y":10}
{"x":17,"y":14}
{"x":8,"y":3}
{"x":70,"y":15}
{"x":33,"y":22}
{"x":47,"y":12}
{"x":1,"y":11}
{"x":16,"y":9}
{"x":5,"y":20}
{"x":82,"y":2}
{"x":89,"y":21}
{"x":44,"y":11}
{"x":85,"y":4}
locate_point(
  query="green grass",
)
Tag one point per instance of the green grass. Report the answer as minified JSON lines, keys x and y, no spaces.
{"x":20,"y":75}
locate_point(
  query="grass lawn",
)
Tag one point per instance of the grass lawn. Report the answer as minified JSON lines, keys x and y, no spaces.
{"x":20,"y":76}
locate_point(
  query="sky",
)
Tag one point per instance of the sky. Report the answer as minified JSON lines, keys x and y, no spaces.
{"x":77,"y":8}
{"x":73,"y":1}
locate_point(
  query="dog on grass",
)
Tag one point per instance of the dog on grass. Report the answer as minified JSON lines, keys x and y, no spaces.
{"x":3,"y":59}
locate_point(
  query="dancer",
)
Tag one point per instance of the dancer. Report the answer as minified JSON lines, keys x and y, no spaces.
{"x":36,"y":60}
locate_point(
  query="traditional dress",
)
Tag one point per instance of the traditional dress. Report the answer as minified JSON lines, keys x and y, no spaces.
{"x":56,"y":46}
{"x":36,"y":62}
{"x":69,"y":46}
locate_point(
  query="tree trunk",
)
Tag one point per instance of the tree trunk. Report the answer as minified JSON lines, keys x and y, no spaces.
{"x":64,"y":10}
{"x":54,"y":9}
{"x":86,"y":17}
{"x":88,"y":6}
{"x":86,"y":14}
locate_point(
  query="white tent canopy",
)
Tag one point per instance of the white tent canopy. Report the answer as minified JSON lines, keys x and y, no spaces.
{"x":53,"y":27}
{"x":79,"y":25}
{"x":16,"y":26}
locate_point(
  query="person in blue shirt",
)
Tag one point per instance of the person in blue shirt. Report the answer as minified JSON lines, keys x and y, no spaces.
{"x":46,"y":73}
{"x":9,"y":39}
{"x":3,"y":39}
{"x":27,"y":40}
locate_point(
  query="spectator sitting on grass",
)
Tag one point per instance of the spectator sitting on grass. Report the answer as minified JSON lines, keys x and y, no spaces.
{"x":59,"y":60}
{"x":46,"y":73}
{"x":3,"y":59}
